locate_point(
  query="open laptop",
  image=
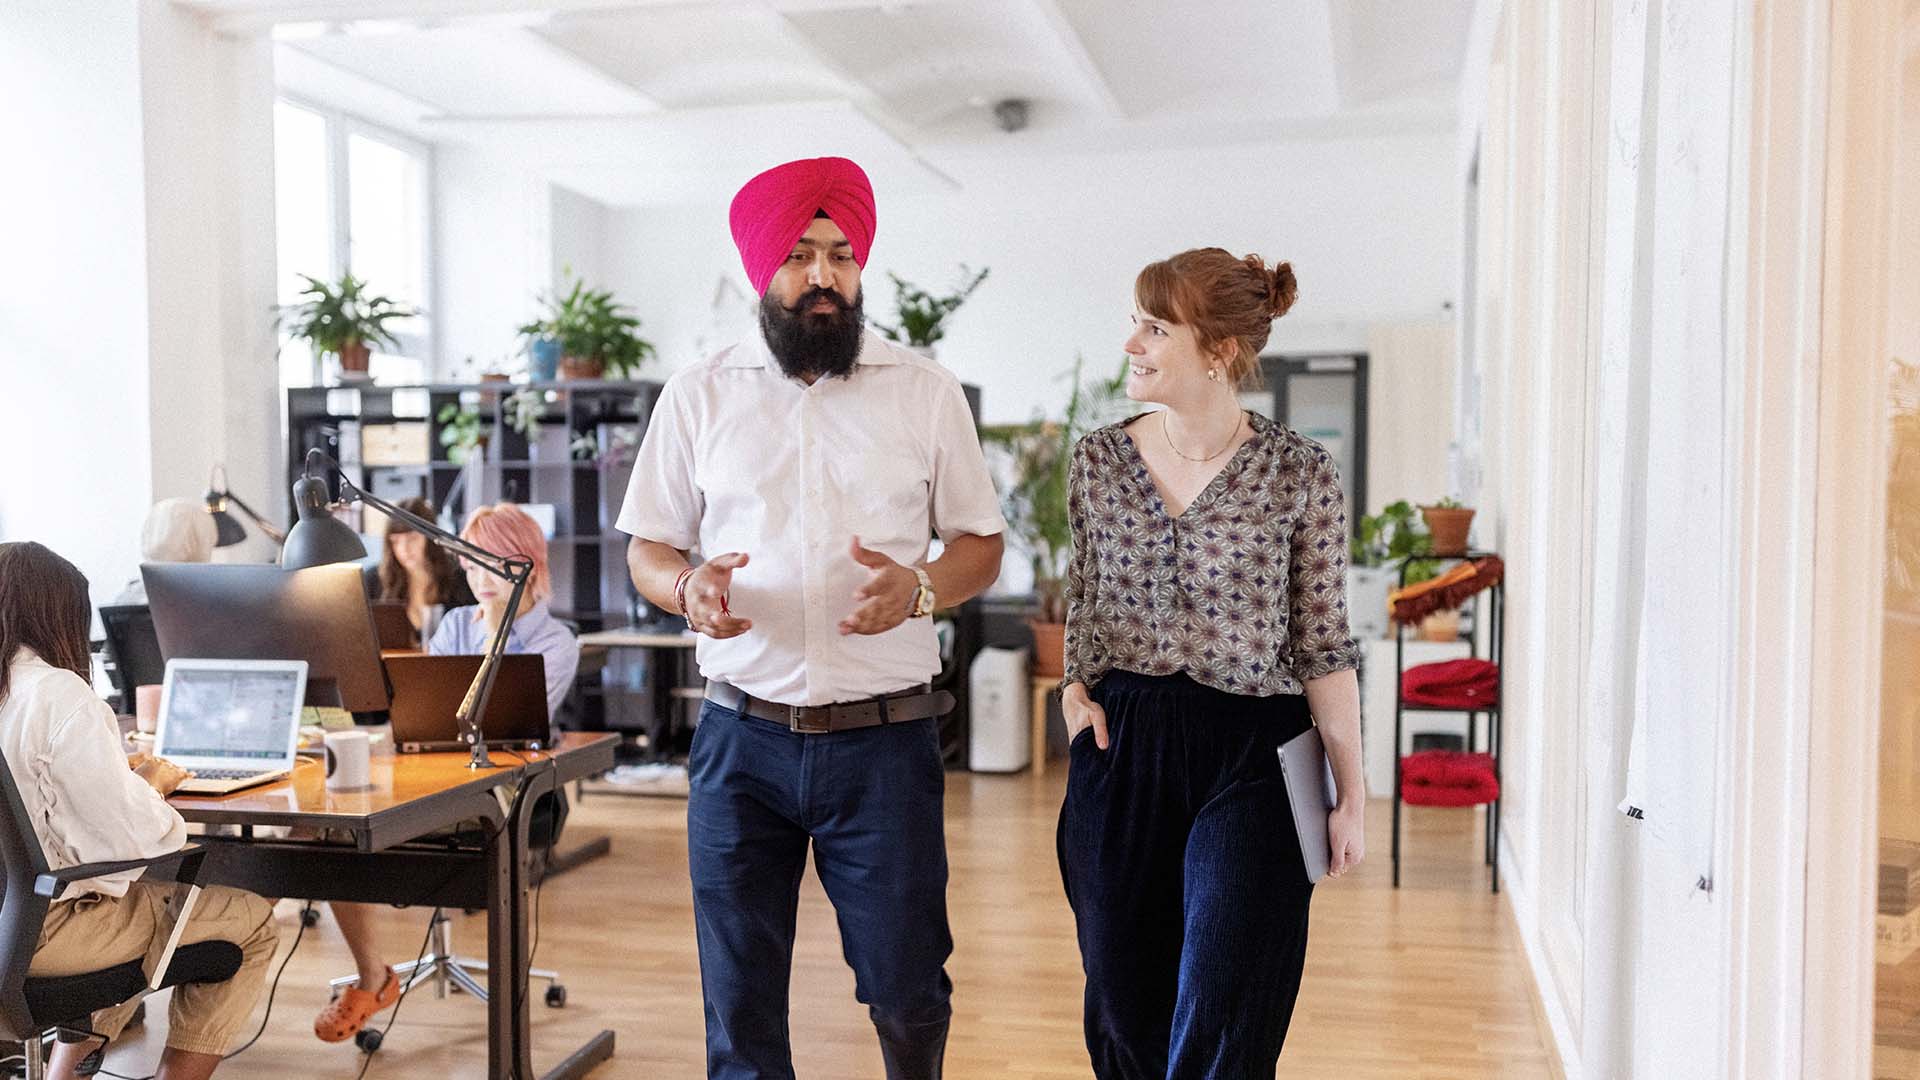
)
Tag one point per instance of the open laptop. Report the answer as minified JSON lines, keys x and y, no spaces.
{"x":428,"y":690}
{"x":232,"y":723}
{"x":392,"y":626}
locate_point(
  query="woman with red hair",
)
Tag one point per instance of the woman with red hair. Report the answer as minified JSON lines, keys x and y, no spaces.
{"x":1206,"y":626}
{"x":503,"y":529}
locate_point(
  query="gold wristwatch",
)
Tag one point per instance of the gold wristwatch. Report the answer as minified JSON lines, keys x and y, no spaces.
{"x":923,"y":598}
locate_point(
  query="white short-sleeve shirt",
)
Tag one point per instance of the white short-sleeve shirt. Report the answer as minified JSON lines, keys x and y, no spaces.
{"x":740,"y":457}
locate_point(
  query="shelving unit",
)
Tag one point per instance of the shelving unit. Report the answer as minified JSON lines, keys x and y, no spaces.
{"x":387,"y":438}
{"x":1492,"y":602}
{"x":578,"y":461}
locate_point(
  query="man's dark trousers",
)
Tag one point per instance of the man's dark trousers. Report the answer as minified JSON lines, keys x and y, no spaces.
{"x":870,"y":802}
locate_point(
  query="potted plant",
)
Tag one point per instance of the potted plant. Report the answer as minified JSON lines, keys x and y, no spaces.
{"x":595,"y":336}
{"x":461,"y":432}
{"x":1036,"y":501}
{"x":1383,"y":541}
{"x":1448,"y":522}
{"x":923,"y":316}
{"x":341,"y":319}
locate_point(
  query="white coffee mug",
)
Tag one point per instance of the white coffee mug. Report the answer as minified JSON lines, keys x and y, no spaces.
{"x":349,"y":761}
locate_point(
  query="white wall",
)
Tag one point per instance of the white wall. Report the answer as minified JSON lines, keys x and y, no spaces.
{"x":1370,"y":225}
{"x":578,"y":228}
{"x":493,"y":253}
{"x":134,"y":298}
{"x":73,"y":304}
{"x":208,"y":134}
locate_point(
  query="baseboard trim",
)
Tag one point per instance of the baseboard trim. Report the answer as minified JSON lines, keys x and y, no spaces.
{"x":1556,"y":1027}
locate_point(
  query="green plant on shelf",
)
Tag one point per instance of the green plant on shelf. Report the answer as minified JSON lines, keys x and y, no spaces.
{"x":923,"y":316}
{"x":461,"y":432}
{"x":1040,"y":453}
{"x":591,"y":325}
{"x":340,"y":316}
{"x":524,"y":409}
{"x":1391,"y":536}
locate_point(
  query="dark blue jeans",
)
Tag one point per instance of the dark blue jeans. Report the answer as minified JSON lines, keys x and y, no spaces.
{"x":870,"y":803}
{"x":1184,"y":873}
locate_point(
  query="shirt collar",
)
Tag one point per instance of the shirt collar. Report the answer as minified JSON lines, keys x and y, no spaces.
{"x":875,"y":351}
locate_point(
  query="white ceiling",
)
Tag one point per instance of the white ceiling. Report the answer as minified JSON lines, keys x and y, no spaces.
{"x":648,"y":102}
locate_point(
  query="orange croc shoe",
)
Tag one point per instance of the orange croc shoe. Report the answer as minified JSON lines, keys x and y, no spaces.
{"x":352,"y":1007}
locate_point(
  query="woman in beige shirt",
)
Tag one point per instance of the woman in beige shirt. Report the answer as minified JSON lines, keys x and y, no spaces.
{"x":62,"y":749}
{"x":1206,"y":626}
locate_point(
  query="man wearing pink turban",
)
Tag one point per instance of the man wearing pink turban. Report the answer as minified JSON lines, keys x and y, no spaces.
{"x":782,"y":503}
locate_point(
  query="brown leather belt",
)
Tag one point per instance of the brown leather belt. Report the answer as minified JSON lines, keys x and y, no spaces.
{"x":915,"y":704}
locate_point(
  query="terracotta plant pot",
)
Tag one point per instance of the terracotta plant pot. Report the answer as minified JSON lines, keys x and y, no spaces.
{"x":574,"y":367}
{"x":1049,"y":648}
{"x":354,"y":358}
{"x":1448,"y":527}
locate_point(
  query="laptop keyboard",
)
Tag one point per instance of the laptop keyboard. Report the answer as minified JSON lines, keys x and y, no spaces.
{"x":227,"y":774}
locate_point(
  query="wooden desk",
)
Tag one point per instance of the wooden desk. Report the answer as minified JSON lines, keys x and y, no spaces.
{"x":634,"y":637}
{"x":413,"y":795}
{"x":668,"y":688}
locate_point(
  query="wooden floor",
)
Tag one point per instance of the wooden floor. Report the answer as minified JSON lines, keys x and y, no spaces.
{"x":1426,"y":982}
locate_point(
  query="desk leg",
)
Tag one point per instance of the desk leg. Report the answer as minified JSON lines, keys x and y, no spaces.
{"x":597,"y":1049}
{"x":1040,"y":692}
{"x":506,"y":1032}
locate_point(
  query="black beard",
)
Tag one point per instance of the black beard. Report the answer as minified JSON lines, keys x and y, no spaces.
{"x":806,"y":344}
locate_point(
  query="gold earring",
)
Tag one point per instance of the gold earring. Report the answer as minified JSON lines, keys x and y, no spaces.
{"x":1213,"y":374}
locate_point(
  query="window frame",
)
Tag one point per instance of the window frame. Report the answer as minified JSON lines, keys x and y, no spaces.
{"x":341,"y":125}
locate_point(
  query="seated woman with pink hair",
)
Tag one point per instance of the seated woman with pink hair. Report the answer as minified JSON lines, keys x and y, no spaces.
{"x":503,"y":529}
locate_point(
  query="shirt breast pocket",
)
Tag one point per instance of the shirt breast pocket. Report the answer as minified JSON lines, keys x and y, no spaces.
{"x":885,"y":497}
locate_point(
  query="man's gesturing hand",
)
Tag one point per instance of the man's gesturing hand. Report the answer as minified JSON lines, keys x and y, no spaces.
{"x":706,"y":595}
{"x":885,"y":600}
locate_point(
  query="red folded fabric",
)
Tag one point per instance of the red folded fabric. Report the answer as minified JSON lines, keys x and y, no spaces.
{"x":1448,"y":591}
{"x":1448,"y":778}
{"x":1468,"y":683}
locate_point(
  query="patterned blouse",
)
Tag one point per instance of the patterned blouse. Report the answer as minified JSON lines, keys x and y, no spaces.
{"x":1245,"y":591}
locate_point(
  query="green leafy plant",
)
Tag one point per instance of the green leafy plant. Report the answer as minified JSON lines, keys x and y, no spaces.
{"x":337,"y":316}
{"x":524,"y":408}
{"x":1448,"y":503}
{"x":922,"y":315}
{"x":1393,"y":535}
{"x":592,"y":326}
{"x":1036,"y":501}
{"x":460,"y":432}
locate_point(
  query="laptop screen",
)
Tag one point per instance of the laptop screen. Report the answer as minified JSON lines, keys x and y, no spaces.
{"x":241,"y":713}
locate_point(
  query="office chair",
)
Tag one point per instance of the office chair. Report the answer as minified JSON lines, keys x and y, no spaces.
{"x":133,"y":647}
{"x":449,"y":970}
{"x":34,"y":1009}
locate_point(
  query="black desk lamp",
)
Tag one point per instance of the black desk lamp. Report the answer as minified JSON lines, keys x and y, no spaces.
{"x":230,"y":531}
{"x":318,"y":538}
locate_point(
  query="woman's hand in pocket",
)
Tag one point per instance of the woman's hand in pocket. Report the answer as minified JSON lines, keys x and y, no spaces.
{"x":1082,"y":712}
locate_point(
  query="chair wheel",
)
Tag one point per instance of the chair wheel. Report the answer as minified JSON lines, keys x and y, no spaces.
{"x":367,"y":1039}
{"x":556,"y":996}
{"x":309,"y":917}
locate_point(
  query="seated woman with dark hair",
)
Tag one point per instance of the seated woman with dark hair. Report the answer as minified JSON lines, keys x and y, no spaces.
{"x":420,"y":572}
{"x":87,"y":805}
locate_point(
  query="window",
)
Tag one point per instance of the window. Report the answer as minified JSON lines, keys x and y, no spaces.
{"x":349,"y":195}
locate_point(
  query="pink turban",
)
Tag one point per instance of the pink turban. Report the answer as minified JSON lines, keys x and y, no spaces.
{"x":771,"y":212}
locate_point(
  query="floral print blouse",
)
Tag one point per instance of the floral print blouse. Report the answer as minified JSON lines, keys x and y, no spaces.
{"x":1245,"y":591}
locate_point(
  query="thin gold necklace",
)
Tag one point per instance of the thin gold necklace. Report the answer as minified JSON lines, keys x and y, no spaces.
{"x":1241,"y":419}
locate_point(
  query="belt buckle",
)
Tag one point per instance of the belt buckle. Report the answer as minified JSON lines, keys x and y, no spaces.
{"x":810,"y":719}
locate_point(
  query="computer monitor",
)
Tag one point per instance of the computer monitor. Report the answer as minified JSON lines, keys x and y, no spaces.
{"x":133,"y":648}
{"x":218,"y":611}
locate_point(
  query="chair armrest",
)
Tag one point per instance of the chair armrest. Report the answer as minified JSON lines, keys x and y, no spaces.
{"x":180,"y":867}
